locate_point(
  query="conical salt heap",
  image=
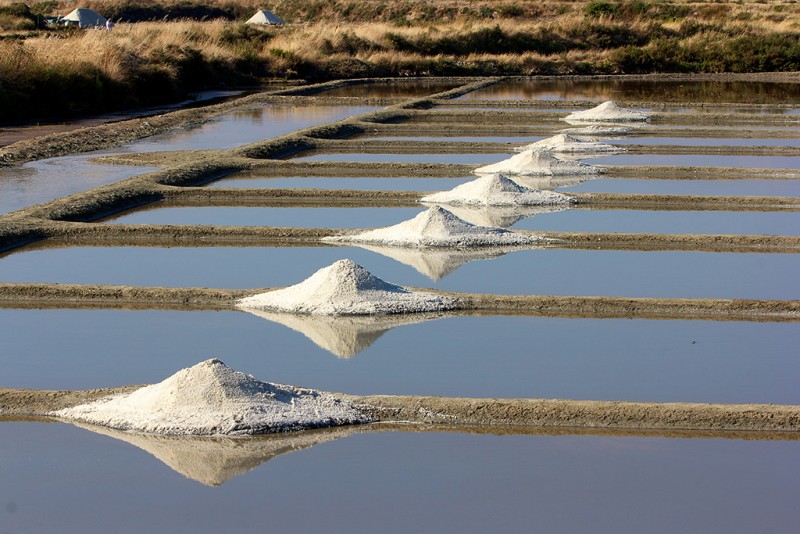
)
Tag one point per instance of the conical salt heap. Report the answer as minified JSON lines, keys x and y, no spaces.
{"x":608,"y":112}
{"x":537,"y":163}
{"x":345,"y":288}
{"x":210,"y":399}
{"x":437,"y":227}
{"x":498,"y":190}
{"x":569,"y":144}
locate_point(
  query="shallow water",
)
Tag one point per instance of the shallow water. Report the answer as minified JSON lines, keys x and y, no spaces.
{"x":463,"y":159}
{"x":399,"y":482}
{"x":247,"y":216}
{"x":662,"y":90}
{"x":243,"y":127}
{"x":371,"y":184}
{"x":666,"y":222}
{"x":683,"y":160}
{"x":601,"y":359}
{"x":527,"y":272}
{"x":705,"y":141}
{"x":788,"y":188}
{"x":49,"y":179}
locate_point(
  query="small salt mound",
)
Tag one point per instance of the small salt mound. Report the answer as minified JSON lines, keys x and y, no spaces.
{"x":437,"y":227}
{"x":497,"y":190}
{"x":537,"y":163}
{"x":345,"y":288}
{"x":569,"y":144}
{"x":209,"y":399}
{"x":608,"y":111}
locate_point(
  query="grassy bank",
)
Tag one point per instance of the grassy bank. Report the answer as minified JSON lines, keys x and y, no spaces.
{"x":145,"y":63}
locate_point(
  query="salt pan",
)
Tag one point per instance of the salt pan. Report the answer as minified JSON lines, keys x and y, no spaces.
{"x":537,"y":163}
{"x":608,"y":112}
{"x":437,"y":227}
{"x":209,"y":399}
{"x":497,"y":190}
{"x":345,"y":288}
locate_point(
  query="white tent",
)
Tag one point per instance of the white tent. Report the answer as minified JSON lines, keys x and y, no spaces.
{"x":266,"y":18}
{"x":84,"y":18}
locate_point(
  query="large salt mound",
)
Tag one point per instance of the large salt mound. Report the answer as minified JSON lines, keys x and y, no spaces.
{"x":497,"y":190}
{"x":345,"y":288}
{"x":437,"y":227}
{"x":210,"y":399}
{"x":570,"y":144}
{"x":608,"y":112}
{"x":537,"y":163}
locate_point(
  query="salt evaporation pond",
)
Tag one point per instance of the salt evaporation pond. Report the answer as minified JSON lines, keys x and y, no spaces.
{"x":632,"y":186}
{"x":750,"y":92}
{"x":463,"y":159}
{"x":248,"y":126}
{"x":523,"y":272}
{"x":44,"y":180}
{"x":252,"y":180}
{"x":663,"y":361}
{"x":692,"y":160}
{"x":431,"y":482}
{"x":704,"y":141}
{"x":272,"y":216}
{"x":666,"y":222}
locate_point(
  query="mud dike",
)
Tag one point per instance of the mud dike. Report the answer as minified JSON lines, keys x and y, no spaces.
{"x":77,"y":220}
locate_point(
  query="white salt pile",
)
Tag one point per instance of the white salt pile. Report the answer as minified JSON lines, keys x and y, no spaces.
{"x":570,"y":144}
{"x":210,"y":399}
{"x":497,"y":190}
{"x":608,"y":112}
{"x":437,"y":227}
{"x":537,"y":163}
{"x":345,"y":288}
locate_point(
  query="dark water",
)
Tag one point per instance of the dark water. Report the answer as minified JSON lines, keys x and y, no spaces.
{"x":397,"y":89}
{"x":662,"y":90}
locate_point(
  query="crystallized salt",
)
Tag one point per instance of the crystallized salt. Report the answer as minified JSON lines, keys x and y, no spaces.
{"x":210,"y":398}
{"x":345,"y":288}
{"x":437,"y":227}
{"x":570,"y":144}
{"x":537,"y":163}
{"x":497,"y":190}
{"x":608,"y":112}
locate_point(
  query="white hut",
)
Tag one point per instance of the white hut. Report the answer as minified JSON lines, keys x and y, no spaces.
{"x":265,"y":18}
{"x":84,"y":18}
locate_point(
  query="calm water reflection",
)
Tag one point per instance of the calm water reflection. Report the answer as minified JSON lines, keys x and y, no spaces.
{"x":399,"y":482}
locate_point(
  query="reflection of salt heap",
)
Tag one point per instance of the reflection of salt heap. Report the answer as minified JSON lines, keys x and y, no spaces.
{"x":437,"y":227}
{"x":497,"y":190}
{"x":209,"y":399}
{"x":596,"y":131}
{"x":501,"y":216}
{"x":569,"y":144}
{"x":211,"y":460}
{"x":344,"y":336}
{"x":608,"y":112}
{"x":345,"y":288}
{"x":436,"y":263}
{"x":537,"y":163}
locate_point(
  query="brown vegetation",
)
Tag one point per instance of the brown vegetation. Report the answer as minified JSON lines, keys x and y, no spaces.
{"x":145,"y":63}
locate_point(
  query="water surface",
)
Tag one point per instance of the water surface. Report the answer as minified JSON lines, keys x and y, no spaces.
{"x":400,"y":482}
